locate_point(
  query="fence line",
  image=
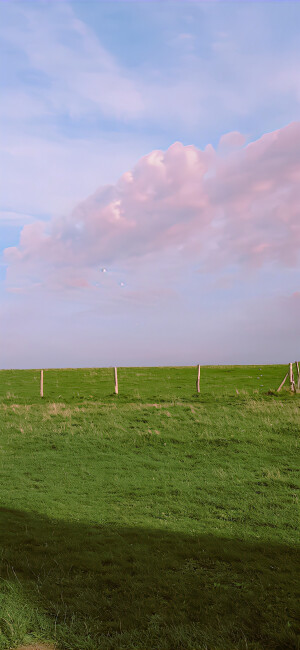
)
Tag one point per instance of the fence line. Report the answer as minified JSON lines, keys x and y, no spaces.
{"x":294,"y":384}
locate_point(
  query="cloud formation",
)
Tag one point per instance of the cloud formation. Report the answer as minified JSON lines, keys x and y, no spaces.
{"x":77,"y":74}
{"x":68,"y":71}
{"x":201,"y":243}
{"x":218,"y":210}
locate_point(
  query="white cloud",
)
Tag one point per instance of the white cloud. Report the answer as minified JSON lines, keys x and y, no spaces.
{"x":80,"y":78}
{"x":79,"y":75}
{"x":48,"y":174}
{"x":10,"y":218}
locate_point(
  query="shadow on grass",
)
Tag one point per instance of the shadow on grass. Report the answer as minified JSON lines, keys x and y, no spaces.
{"x":88,"y":587}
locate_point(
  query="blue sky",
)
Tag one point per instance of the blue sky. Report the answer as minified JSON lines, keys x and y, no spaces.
{"x":200,"y":241}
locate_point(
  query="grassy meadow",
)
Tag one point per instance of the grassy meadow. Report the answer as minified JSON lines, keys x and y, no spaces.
{"x":156,"y":519}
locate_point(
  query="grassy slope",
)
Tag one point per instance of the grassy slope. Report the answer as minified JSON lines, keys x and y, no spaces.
{"x":153,"y":519}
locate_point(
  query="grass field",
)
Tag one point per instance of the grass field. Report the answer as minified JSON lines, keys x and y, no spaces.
{"x":156,"y":519}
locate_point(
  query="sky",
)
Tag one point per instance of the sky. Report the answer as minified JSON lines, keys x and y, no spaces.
{"x":150,"y":183}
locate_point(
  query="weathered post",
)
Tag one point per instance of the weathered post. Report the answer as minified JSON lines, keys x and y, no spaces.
{"x":292,"y":382}
{"x":198,"y":379}
{"x":116,"y":381}
{"x":42,"y":384}
{"x":283,"y":382}
{"x":298,"y":373}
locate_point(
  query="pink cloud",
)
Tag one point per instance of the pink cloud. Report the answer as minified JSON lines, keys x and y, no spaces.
{"x":232,"y":140}
{"x":241,"y":208}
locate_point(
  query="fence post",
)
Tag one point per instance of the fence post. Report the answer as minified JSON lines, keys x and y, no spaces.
{"x":116,"y":381}
{"x":298,"y":373}
{"x":42,"y":384}
{"x":283,"y":382}
{"x":292,"y":382}
{"x":198,"y":379}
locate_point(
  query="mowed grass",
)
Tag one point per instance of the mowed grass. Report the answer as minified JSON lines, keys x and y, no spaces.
{"x":155,"y":519}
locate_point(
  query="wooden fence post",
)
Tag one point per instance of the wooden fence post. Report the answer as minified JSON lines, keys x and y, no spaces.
{"x":198,"y":380}
{"x":283,"y":382}
{"x":292,"y":382}
{"x":116,"y":381}
{"x":42,"y":384}
{"x":298,"y":373}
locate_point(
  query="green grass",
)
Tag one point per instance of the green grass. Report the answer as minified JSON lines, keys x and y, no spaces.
{"x":156,"y":519}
